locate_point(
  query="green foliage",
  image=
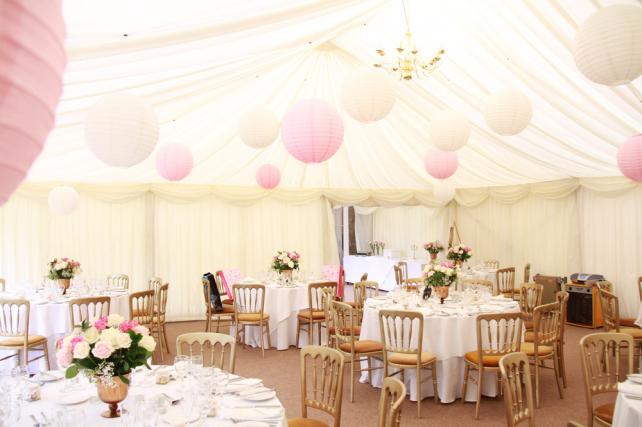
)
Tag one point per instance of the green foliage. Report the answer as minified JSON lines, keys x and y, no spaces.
{"x":71,"y":371}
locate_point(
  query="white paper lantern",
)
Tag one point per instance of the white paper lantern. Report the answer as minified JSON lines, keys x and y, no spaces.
{"x":368,"y":95}
{"x":443,"y":191}
{"x":63,"y":199}
{"x":608,"y":45}
{"x":259,"y":127}
{"x":121,"y":130}
{"x":508,"y":112}
{"x":449,"y":130}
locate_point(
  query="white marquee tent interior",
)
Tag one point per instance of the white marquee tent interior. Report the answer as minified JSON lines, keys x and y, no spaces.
{"x":552,"y":195}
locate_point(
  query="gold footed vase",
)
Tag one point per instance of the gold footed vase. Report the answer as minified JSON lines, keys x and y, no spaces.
{"x":112,"y":392}
{"x":286,"y":274}
{"x":64,"y":285}
{"x":433,"y":258}
{"x":442,"y":292}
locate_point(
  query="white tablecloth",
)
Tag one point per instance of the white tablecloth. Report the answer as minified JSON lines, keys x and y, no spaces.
{"x":379,"y":269}
{"x":449,"y":338}
{"x":51,"y":319}
{"x":628,"y":410}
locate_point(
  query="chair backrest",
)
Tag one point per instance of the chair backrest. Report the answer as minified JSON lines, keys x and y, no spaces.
{"x":322,"y":381}
{"x":141,"y":307}
{"x":249,"y":298}
{"x":207,"y":296}
{"x":498,"y":334}
{"x":562,"y":298}
{"x":364,"y":290}
{"x":546,"y":324}
{"x":393,"y":394}
{"x":506,"y":280}
{"x":154,"y":283}
{"x":87,"y":308}
{"x":479,"y":282}
{"x":491,"y":263}
{"x":605,"y":284}
{"x":218,"y":346}
{"x":161,"y":300}
{"x":401,"y":332}
{"x":316,"y":294}
{"x":364,"y":277}
{"x":327,"y":311}
{"x":14,"y":318}
{"x":398,"y":275}
{"x":527,"y":273}
{"x":344,"y":320}
{"x":118,"y":281}
{"x":610,"y":310}
{"x":413,"y":284}
{"x":518,"y":393}
{"x":403,"y":269}
{"x":2,"y":285}
{"x":601,"y":355}
{"x":530,"y":297}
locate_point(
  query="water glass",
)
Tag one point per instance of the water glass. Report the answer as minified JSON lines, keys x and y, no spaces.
{"x":196,"y":364}
{"x":181,"y":365}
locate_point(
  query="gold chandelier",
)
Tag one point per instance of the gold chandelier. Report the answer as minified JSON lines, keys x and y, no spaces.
{"x":408,"y":63}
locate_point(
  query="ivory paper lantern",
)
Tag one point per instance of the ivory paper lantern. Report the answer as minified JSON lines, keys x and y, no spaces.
{"x":441,"y":164}
{"x":259,"y":127}
{"x":62,"y":199}
{"x":608,"y":45}
{"x":174,"y":161}
{"x":629,"y":158}
{"x":121,"y":130}
{"x":32,"y":62}
{"x":368,"y":95}
{"x":508,"y":112}
{"x":449,"y":130}
{"x":443,"y":191}
{"x":268,"y":176}
{"x":312,"y":131}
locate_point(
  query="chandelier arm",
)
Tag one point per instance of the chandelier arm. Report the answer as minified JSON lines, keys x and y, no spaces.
{"x":405,"y":14}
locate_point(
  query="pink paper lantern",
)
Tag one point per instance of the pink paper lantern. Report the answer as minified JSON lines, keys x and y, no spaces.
{"x":629,"y":158}
{"x":441,"y":164}
{"x":174,"y":161}
{"x":312,"y":131}
{"x":32,"y":61}
{"x":268,"y":176}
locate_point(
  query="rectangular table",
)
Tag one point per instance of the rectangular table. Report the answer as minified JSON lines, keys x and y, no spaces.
{"x":380,"y":269}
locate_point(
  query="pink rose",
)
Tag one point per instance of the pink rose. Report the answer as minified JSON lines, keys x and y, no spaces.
{"x":102,"y":349}
{"x":65,"y":259}
{"x":75,"y":340}
{"x":141,"y":330}
{"x":64,"y":357}
{"x":127,"y":325}
{"x":101,"y":323}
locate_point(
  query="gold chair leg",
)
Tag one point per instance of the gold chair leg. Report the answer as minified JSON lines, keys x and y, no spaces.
{"x":418,"y":380}
{"x":262,"y":338}
{"x":465,"y":387}
{"x":25,"y":357}
{"x":46,"y":351}
{"x":352,"y":379}
{"x":434,"y":381}
{"x":480,"y":375}
{"x":536,"y":383}
{"x":207,"y":323}
{"x":166,"y":340}
{"x":298,"y":331}
{"x":267,"y":332}
{"x":557,"y":374}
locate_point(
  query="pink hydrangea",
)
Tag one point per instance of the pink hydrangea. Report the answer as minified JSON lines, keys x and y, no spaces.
{"x":101,"y":323}
{"x":128,"y":325}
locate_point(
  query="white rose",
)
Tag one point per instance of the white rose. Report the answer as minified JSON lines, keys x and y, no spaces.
{"x":81,"y":350}
{"x":111,"y":336}
{"x":286,"y":260}
{"x":66,"y":340}
{"x":123,"y":340}
{"x":91,"y":335}
{"x":114,"y":320}
{"x":148,"y":343}
{"x":140,"y":329}
{"x":291,"y":264}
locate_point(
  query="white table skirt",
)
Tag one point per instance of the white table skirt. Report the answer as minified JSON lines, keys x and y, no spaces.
{"x":628,"y":411}
{"x":449,"y":338}
{"x":379,"y":269}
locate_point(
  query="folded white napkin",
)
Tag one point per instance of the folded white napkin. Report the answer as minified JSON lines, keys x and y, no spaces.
{"x":629,"y":387}
{"x":231,"y":401}
{"x":249,"y":391}
{"x":175,"y":417}
{"x":251,"y":414}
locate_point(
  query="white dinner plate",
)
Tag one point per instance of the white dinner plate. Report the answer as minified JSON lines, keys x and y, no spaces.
{"x":49,"y":376}
{"x":74,"y":398}
{"x":258,"y":397}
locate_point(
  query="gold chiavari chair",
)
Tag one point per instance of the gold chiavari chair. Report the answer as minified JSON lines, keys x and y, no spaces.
{"x":529,"y":298}
{"x":546,"y":321}
{"x":562,"y":298}
{"x":491,"y":263}
{"x":362,"y":291}
{"x":403,"y":269}
{"x":154,"y":283}
{"x":219,"y":347}
{"x":329,"y":323}
{"x":411,"y":285}
{"x":518,"y":393}
{"x":402,"y":337}
{"x":249,"y":306}
{"x":81,"y":309}
{"x":479,"y":282}
{"x":601,"y":355}
{"x":321,"y":385}
{"x":118,"y":281}
{"x":506,"y":282}
{"x":611,"y":314}
{"x":14,"y":332}
{"x":141,"y":307}
{"x":356,"y":350}
{"x":314,"y":314}
{"x":224,"y":318}
{"x":158,"y":324}
{"x":497,"y":335}
{"x":398,"y":275}
{"x":2,"y":285}
{"x":364,"y":277}
{"x":527,"y":273}
{"x":393,"y":394}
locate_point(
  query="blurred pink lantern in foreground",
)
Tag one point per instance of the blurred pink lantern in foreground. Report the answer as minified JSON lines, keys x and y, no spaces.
{"x":174,"y":161}
{"x":629,"y":158}
{"x":268,"y":176}
{"x":441,"y":164}
{"x":312,"y":131}
{"x":32,"y":61}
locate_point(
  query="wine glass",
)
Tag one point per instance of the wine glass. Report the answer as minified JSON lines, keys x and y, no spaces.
{"x":181,"y":365}
{"x":196,"y":364}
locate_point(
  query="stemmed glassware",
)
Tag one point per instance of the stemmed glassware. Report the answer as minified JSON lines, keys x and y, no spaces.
{"x":181,"y":365}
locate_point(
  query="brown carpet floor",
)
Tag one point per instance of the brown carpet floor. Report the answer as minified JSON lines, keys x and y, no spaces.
{"x":280,"y":369}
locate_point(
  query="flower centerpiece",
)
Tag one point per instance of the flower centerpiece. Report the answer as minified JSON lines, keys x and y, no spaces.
{"x":63,"y":270}
{"x":377,"y":247}
{"x":459,"y":254}
{"x":433,"y":248}
{"x":440,"y":277}
{"x":106,"y":349}
{"x":286,"y":261}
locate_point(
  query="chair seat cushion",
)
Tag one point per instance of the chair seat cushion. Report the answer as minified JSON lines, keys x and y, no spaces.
{"x":529,"y":349}
{"x":345,"y":331}
{"x":487,"y":360}
{"x":362,"y":346}
{"x":251,"y":317}
{"x":306,"y":422}
{"x":529,"y":336}
{"x":528,"y":325}
{"x":605,"y":412}
{"x":410,"y":359}
{"x":316,"y":315}
{"x":228,"y":302}
{"x":634,"y":332}
{"x":227,"y":309}
{"x":19,"y":341}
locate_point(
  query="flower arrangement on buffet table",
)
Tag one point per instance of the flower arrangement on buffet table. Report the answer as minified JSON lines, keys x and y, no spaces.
{"x":433,"y":248}
{"x":439,"y":276}
{"x":459,"y":253}
{"x":377,"y":246}
{"x":63,"y":270}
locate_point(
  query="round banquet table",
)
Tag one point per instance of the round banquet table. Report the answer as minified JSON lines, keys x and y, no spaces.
{"x":449,"y":333}
{"x":51,"y":319}
{"x":628,"y":406}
